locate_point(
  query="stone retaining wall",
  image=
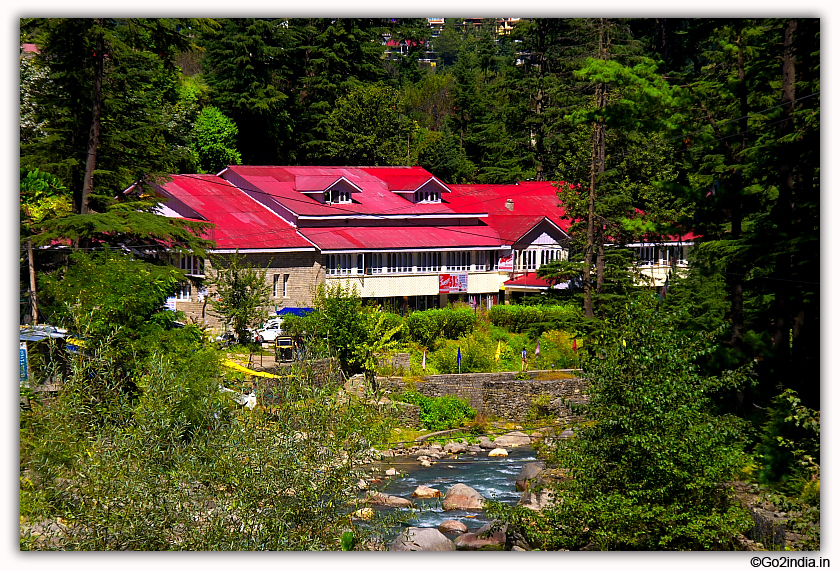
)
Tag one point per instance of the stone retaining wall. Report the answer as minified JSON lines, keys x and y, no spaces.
{"x":501,"y":394}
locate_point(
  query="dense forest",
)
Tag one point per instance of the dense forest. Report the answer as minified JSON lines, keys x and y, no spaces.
{"x":659,"y":126}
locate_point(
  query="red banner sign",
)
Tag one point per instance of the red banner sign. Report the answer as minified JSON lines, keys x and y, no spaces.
{"x":453,"y":283}
{"x":506,"y":262}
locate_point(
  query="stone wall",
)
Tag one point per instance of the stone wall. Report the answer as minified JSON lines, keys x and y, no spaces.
{"x":304,"y":272}
{"x":399,"y":362}
{"x":501,"y":394}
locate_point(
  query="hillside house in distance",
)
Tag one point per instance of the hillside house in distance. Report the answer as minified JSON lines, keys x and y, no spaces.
{"x":402,"y":237}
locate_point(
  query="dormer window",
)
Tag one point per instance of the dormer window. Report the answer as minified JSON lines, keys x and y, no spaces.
{"x":427,"y":197}
{"x":337,"y":197}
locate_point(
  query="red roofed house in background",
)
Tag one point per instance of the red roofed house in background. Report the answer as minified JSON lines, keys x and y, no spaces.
{"x":529,"y":219}
{"x":402,"y":237}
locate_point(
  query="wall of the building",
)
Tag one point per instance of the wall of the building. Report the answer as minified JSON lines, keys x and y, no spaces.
{"x":304,"y":273}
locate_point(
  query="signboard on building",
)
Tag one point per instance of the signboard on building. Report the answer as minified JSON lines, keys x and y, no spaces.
{"x":506,"y":262}
{"x":170,"y":303}
{"x":453,"y":282}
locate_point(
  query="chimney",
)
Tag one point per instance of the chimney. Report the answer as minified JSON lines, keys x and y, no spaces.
{"x":509,"y":204}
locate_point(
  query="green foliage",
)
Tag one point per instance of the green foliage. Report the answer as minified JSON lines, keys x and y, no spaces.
{"x":241,"y":296}
{"x":540,"y":408}
{"x":790,"y":443}
{"x":378,"y":341}
{"x":42,"y":196}
{"x":116,"y":296}
{"x":649,"y":471}
{"x":476,"y":355}
{"x":429,"y":327}
{"x":365,"y":127}
{"x":336,"y":327}
{"x":192,"y":471}
{"x":519,"y":318}
{"x":444,"y":412}
{"x":214,"y":140}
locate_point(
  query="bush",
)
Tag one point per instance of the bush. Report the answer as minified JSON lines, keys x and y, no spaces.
{"x":445,"y":412}
{"x":476,"y":355}
{"x":537,"y":318}
{"x":651,"y":470}
{"x":428,"y":327}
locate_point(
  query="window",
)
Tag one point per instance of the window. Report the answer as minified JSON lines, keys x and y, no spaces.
{"x":425,"y":196}
{"x":274,"y":292}
{"x":337,"y":197}
{"x":286,"y":285}
{"x":338,"y":264}
{"x":191,"y":264}
{"x":458,"y":261}
{"x":184,"y":292}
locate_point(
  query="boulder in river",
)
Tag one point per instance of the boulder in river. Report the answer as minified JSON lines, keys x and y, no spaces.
{"x":483,"y":538}
{"x":452,"y":526}
{"x":529,"y":471}
{"x":422,"y":540}
{"x":485,"y":443}
{"x":391,"y":472}
{"x":425,"y":492}
{"x":454,"y":447}
{"x":498,"y":452}
{"x":513,"y":439}
{"x":384,"y":500}
{"x":463,"y":497}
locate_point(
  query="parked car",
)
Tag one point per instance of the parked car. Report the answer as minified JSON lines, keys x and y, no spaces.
{"x":269,"y":331}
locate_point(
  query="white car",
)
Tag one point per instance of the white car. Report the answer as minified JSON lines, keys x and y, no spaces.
{"x":269,"y":331}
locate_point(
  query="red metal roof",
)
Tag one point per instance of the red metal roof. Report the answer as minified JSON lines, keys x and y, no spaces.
{"x":404,"y":237}
{"x":531,"y":200}
{"x":240,"y":222}
{"x":528,"y":280}
{"x":377,"y":194}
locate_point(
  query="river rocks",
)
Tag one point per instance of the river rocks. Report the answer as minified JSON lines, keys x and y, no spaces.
{"x":436,"y":447}
{"x":454,"y":447}
{"x":424,"y":492}
{"x":513,"y":439}
{"x":422,"y":539}
{"x":392,"y":472}
{"x":452,"y":526}
{"x":485,"y":443}
{"x":529,"y":471}
{"x":498,"y":452}
{"x":425,"y":463}
{"x":482,"y":539}
{"x":463,"y":497}
{"x":474,"y":449}
{"x":384,"y":500}
{"x":423,"y":458}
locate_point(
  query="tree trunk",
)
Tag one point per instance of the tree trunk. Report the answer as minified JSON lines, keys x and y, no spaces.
{"x":784,"y":206}
{"x":597,"y":168}
{"x":735,"y":278}
{"x":96,"y":120}
{"x":33,"y":294}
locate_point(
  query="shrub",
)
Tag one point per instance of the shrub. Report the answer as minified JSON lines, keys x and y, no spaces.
{"x":537,"y":318}
{"x":445,"y":412}
{"x":428,"y":327}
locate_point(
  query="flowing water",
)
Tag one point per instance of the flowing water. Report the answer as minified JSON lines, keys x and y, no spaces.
{"x":493,"y":477}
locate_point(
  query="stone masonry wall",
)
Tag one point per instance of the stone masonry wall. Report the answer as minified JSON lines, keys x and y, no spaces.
{"x":303,"y":268}
{"x":500,"y":394}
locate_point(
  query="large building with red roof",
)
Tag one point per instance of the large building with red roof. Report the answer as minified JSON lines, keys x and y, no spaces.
{"x":399,"y":235}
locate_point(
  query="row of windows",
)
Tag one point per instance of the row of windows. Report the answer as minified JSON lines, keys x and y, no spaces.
{"x":650,"y":254}
{"x":279,"y":289}
{"x":432,"y":261}
{"x":343,"y":197}
{"x":426,"y":196}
